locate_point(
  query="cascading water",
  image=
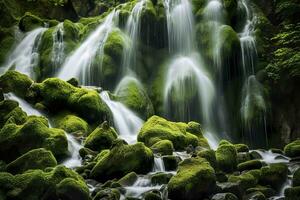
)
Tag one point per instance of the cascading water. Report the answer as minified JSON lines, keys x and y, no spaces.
{"x":81,"y":63}
{"x":127,"y":122}
{"x":58,"y":47}
{"x":25,"y":57}
{"x":186,"y":83}
{"x":159,"y":165}
{"x":132,"y":29}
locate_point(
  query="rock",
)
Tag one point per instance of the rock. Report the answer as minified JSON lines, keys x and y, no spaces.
{"x":195,"y":177}
{"x":15,"y":82}
{"x":248,"y":165}
{"x":226,"y":156}
{"x":210,"y":156}
{"x":101,"y":138}
{"x":132,"y":94}
{"x":57,"y":94}
{"x":157,"y":128}
{"x":164,"y":147}
{"x":243,"y":157}
{"x":107,"y":194}
{"x":292,"y":149}
{"x":231,"y":187}
{"x":16,"y":140}
{"x":10,"y":112}
{"x":274,"y":175}
{"x":245,"y":180}
{"x":171,"y":162}
{"x":266,"y":191}
{"x":255,"y":155}
{"x":241,"y":148}
{"x":153,"y":195}
{"x":255,"y":196}
{"x":122,"y":159}
{"x":29,"y":22}
{"x":224,"y":196}
{"x":296,"y":178}
{"x":160,"y":178}
{"x":71,"y":123}
{"x":34,"y":159}
{"x":292,"y":193}
{"x":54,"y":183}
{"x":221,"y":177}
{"x":128,"y":180}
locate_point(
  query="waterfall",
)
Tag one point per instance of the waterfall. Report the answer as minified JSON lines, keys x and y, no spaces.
{"x":80,"y":63}
{"x":126,"y":122}
{"x":25,"y":57}
{"x":58,"y":47}
{"x":132,"y":29}
{"x":159,"y":165}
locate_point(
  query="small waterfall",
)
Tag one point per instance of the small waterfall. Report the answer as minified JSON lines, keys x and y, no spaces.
{"x":127,"y":122}
{"x":58,"y":47}
{"x":269,"y":157}
{"x":253,"y":110}
{"x":185,"y":77}
{"x":133,"y":31}
{"x":73,"y":147}
{"x":248,"y":45}
{"x":159,"y":165}
{"x":81,"y":63}
{"x":26,"y":107}
{"x":25,"y":57}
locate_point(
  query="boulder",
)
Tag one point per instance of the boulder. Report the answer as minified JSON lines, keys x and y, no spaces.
{"x":292,"y":149}
{"x":274,"y":175}
{"x":248,"y":165}
{"x":164,"y":147}
{"x":226,"y":156}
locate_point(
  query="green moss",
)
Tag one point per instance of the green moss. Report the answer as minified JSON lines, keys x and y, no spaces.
{"x":248,"y":165}
{"x":195,"y":177}
{"x":70,"y":123}
{"x":132,"y":94}
{"x":164,"y":147}
{"x":266,"y":191}
{"x":296,"y":178}
{"x":36,"y":184}
{"x":13,"y":81}
{"x":153,"y":195}
{"x":101,"y":138}
{"x":29,"y":22}
{"x":292,"y":193}
{"x":34,"y":159}
{"x":57,"y":94}
{"x":10,"y":112}
{"x":16,"y":140}
{"x":69,"y":188}
{"x":108,"y":193}
{"x":7,"y":40}
{"x":210,"y":156}
{"x":226,"y":156}
{"x":128,"y":180}
{"x":245,"y":181}
{"x":157,"y":128}
{"x":292,"y":149}
{"x":160,"y":178}
{"x":134,"y":158}
{"x":274,"y":175}
{"x":241,"y":148}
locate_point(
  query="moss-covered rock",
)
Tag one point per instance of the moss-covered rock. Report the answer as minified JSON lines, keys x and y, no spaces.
{"x":70,"y":123}
{"x":153,"y":195}
{"x":56,"y":183}
{"x":248,"y":165}
{"x":16,"y":140}
{"x":108,"y":193}
{"x":11,"y":113}
{"x":292,"y":193}
{"x":224,"y":196}
{"x":296,"y":178}
{"x":226,"y":156}
{"x":132,"y":94}
{"x":13,"y":81}
{"x":164,"y":147}
{"x":265,"y":190}
{"x":255,"y":195}
{"x":210,"y":156}
{"x":243,"y":157}
{"x":101,"y":138}
{"x":57,"y":94}
{"x":195,"y":177}
{"x":134,"y":158}
{"x":170,"y":162}
{"x":160,"y":178}
{"x":292,"y":149}
{"x":34,"y":159}
{"x":157,"y":128}
{"x":29,"y":22}
{"x":274,"y":175}
{"x":245,"y":180}
{"x":128,"y":180}
{"x":241,"y":148}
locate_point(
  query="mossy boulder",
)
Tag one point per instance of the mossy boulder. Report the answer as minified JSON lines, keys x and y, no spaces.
{"x":101,"y":138}
{"x":296,"y":178}
{"x":7,"y":40}
{"x":29,"y":22}
{"x":157,"y":128}
{"x":226,"y":156}
{"x":71,"y":123}
{"x":153,"y":195}
{"x":15,"y":82}
{"x":245,"y":180}
{"x":16,"y":140}
{"x":171,"y":162}
{"x":34,"y":159}
{"x":57,"y":183}
{"x":210,"y":156}
{"x":164,"y":147}
{"x":10,"y":112}
{"x":134,"y":158}
{"x":292,"y":193}
{"x":224,"y":196}
{"x":241,"y":148}
{"x":195,"y":177}
{"x":57,"y":94}
{"x":248,"y":165}
{"x":108,"y":193}
{"x":274,"y":175}
{"x":128,"y":180}
{"x":131,"y":92}
{"x":292,"y":149}
{"x":160,"y":178}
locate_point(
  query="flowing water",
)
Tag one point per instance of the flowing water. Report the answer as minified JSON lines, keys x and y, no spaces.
{"x":81,"y":64}
{"x":58,"y":47}
{"x":159,"y":165}
{"x":126,"y":121}
{"x":25,"y":56}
